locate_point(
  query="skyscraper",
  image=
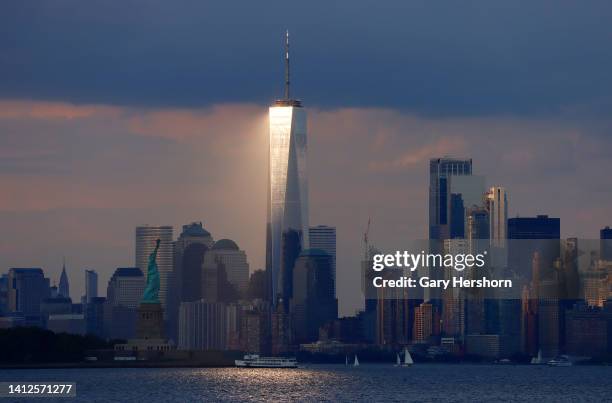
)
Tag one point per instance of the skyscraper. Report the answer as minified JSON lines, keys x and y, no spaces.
{"x":27,"y":287}
{"x":440,"y":172}
{"x":530,"y":234}
{"x":605,"y":249}
{"x":189,"y":250}
{"x":287,"y":182}
{"x":324,"y":238}
{"x":125,"y":287}
{"x":124,"y":293}
{"x":64,"y":287}
{"x":313,"y":302}
{"x":91,"y":285}
{"x":234,"y":261}
{"x":496,"y":203}
{"x":145,"y":243}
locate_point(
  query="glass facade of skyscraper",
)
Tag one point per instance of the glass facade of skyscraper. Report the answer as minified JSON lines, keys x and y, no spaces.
{"x":288,"y":187}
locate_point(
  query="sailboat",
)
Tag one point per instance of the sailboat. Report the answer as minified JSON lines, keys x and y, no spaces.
{"x":407,"y":358}
{"x":356,"y":363}
{"x":346,"y":360}
{"x":538,"y":360}
{"x":398,"y":362}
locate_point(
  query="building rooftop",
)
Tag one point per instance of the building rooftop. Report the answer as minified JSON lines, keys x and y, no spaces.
{"x":288,"y":102}
{"x":195,"y":229}
{"x":225,"y":244}
{"x":128,"y":272}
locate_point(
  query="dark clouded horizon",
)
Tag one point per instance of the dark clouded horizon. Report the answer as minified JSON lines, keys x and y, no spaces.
{"x":434,"y":58}
{"x":116,"y":114}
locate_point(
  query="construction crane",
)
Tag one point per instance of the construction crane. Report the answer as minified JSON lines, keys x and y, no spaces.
{"x":366,"y":248}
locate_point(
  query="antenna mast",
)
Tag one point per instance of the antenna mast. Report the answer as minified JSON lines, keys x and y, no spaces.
{"x":287,"y":94}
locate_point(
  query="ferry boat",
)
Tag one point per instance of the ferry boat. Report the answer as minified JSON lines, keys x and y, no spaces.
{"x":255,"y":361}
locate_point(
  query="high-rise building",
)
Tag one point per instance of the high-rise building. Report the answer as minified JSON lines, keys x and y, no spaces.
{"x":423,"y":323}
{"x":94,"y":316}
{"x":254,"y":331}
{"x":440,"y":172}
{"x":313,"y":302}
{"x":287,"y":182}
{"x":146,"y":237}
{"x":324,"y":237}
{"x":124,"y":292}
{"x":496,"y":203}
{"x":91,"y":285}
{"x":526,"y":235}
{"x":4,"y":287}
{"x":605,"y":249}
{"x":27,"y":288}
{"x":64,"y":287}
{"x":202,"y":326}
{"x":189,"y":250}
{"x":227,"y":253}
{"x":465,"y":193}
{"x":539,"y":227}
{"x":125,"y":287}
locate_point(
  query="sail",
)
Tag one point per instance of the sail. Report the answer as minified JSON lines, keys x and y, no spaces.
{"x":346,"y":360}
{"x":356,"y":363}
{"x":538,"y":359}
{"x":407,"y":357}
{"x":398,"y":360}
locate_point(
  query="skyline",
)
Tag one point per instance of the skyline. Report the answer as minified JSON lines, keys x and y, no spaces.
{"x":398,"y":188}
{"x":88,"y":156}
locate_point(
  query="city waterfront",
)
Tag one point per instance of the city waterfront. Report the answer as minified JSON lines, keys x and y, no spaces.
{"x":368,"y":382}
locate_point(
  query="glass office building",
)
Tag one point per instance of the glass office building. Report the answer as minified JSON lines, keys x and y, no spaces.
{"x":287,"y":182}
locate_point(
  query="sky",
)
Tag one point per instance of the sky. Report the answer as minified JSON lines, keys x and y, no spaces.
{"x":115,"y":114}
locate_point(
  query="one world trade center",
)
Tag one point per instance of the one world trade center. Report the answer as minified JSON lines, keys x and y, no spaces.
{"x":287,"y":215}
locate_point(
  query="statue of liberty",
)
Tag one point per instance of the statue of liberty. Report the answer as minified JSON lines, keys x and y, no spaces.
{"x":151,"y":292}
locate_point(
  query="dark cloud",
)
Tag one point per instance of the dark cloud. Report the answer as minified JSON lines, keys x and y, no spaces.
{"x":441,"y":58}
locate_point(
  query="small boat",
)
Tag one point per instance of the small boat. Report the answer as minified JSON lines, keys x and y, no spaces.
{"x":407,"y":358}
{"x":560,"y":361}
{"x":356,"y":362}
{"x":346,"y":360}
{"x":538,"y":360}
{"x":255,"y":361}
{"x":398,"y":362}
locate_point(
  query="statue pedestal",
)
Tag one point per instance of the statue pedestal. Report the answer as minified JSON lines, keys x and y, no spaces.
{"x":150,"y":323}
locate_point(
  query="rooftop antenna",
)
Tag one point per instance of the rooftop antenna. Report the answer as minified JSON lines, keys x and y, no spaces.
{"x":287,"y":94}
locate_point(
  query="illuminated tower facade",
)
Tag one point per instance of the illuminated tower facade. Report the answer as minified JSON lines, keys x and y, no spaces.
{"x":287,"y":213}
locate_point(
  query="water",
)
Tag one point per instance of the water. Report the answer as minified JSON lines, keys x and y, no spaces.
{"x":372,"y":383}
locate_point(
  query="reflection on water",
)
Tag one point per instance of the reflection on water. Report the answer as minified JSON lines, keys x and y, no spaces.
{"x":333,"y":383}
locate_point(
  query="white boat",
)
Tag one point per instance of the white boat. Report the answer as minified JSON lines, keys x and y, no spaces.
{"x":538,"y":360}
{"x":398,"y":362}
{"x":560,"y":361}
{"x":407,"y":358}
{"x":356,"y":363}
{"x":255,"y":361}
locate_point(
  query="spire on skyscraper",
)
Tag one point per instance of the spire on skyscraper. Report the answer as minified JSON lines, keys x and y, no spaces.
{"x":64,"y":288}
{"x":287,"y":82}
